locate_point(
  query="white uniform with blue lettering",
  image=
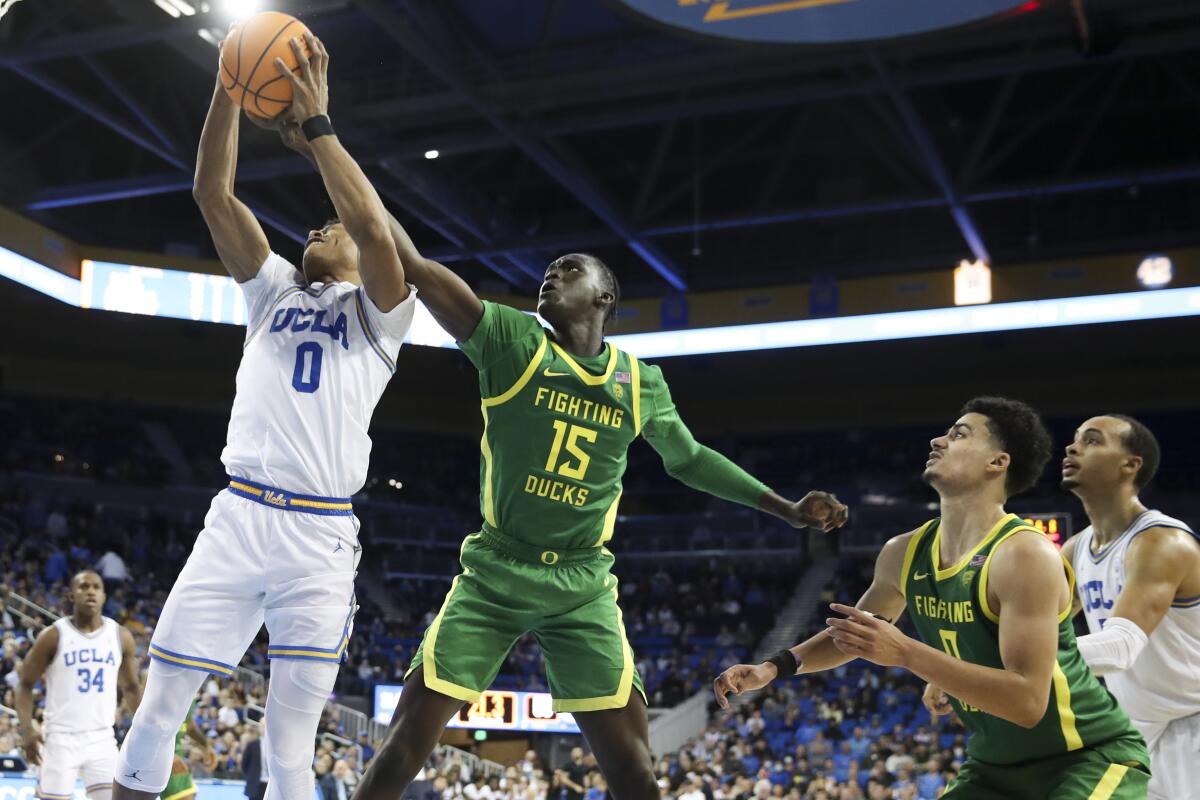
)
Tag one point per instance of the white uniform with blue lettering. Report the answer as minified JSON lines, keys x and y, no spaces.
{"x":280,"y":545}
{"x":81,"y":709}
{"x":1161,"y":691}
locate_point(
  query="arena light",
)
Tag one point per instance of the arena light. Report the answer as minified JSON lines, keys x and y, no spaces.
{"x":1156,"y":271}
{"x":216,"y":298}
{"x":972,"y":283}
{"x":239,"y":8}
{"x":431,"y":154}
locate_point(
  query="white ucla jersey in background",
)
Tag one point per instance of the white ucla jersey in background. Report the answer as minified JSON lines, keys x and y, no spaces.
{"x":317,"y":359}
{"x":1164,"y":683}
{"x":81,"y":681}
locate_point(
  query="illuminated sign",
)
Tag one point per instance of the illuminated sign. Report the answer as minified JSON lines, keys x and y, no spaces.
{"x":496,"y":710}
{"x":972,"y":283}
{"x":1057,"y":527}
{"x":817,"y":21}
{"x":210,"y":298}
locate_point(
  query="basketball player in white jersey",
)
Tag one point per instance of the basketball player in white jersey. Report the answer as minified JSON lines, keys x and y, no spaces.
{"x":1138,"y":581}
{"x":83,"y":660}
{"x":280,"y":544}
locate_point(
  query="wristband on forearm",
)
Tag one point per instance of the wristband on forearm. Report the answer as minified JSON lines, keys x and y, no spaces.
{"x":785,"y":663}
{"x":316,"y":127}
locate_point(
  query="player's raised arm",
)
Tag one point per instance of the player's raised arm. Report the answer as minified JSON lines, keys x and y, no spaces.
{"x":1156,"y":564}
{"x":33,"y":669}
{"x":447,"y":296}
{"x":237,"y":235}
{"x":706,"y":470}
{"x":355,"y":199}
{"x":819,"y":653}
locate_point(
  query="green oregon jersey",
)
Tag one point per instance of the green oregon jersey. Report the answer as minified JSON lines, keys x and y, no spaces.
{"x":950,"y":611}
{"x":556,"y":430}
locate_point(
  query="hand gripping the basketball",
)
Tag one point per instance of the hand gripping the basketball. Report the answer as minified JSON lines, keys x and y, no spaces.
{"x":310,"y":89}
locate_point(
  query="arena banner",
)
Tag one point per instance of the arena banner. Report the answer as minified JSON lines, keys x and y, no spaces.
{"x":817,"y":21}
{"x":21,"y":788}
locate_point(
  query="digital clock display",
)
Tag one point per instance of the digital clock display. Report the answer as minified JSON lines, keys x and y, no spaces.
{"x":496,"y":710}
{"x":1057,"y":526}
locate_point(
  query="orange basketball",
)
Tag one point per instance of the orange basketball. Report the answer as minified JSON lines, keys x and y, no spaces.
{"x":248,"y":55}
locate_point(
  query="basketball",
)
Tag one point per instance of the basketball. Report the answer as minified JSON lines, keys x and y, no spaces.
{"x":248,"y":55}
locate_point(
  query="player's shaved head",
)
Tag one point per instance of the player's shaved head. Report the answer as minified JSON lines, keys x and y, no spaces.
{"x":84,"y":575}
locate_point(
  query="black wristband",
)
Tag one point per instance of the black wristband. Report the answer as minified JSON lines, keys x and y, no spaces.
{"x":315,"y":127}
{"x":785,"y":663}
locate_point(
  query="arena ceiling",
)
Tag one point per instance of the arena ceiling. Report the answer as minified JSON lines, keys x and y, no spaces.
{"x":1064,"y":129}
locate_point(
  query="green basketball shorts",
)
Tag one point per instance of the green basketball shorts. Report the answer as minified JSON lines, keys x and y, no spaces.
{"x":1114,"y":770}
{"x":566,"y":599}
{"x":180,"y":785}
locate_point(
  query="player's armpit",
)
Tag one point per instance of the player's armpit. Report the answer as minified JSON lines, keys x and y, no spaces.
{"x":241,"y":244}
{"x":1068,"y":554}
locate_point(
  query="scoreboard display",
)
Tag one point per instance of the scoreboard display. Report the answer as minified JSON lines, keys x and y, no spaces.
{"x":496,"y":710}
{"x":1057,"y":526}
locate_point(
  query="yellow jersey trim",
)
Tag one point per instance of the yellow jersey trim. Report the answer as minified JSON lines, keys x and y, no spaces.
{"x":910,"y":552}
{"x":534,"y":363}
{"x":429,"y":657}
{"x":935,"y":553}
{"x":610,"y":519}
{"x":188,"y":792}
{"x":620,"y":698}
{"x":489,"y":506}
{"x":983,"y":579}
{"x":1109,"y":782}
{"x":583,"y":374}
{"x":1066,"y":714}
{"x":635,"y":374}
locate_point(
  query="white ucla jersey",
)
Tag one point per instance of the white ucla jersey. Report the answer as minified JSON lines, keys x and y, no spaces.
{"x":316,"y":361}
{"x":1164,"y":683}
{"x":81,"y":681}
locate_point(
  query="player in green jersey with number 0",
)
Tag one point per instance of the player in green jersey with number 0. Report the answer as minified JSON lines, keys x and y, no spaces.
{"x":560,"y":409}
{"x":991,"y":599}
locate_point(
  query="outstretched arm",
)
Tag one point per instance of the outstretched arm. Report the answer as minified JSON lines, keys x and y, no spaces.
{"x":1027,"y":587}
{"x":239,"y":239}
{"x":32,"y":670}
{"x":355,"y":199}
{"x":1156,"y":564}
{"x":706,"y":470}
{"x":820,"y":652}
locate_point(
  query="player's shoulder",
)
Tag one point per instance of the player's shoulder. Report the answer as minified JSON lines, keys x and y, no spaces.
{"x":896,"y":550}
{"x":650,"y":375}
{"x":1163,"y":541}
{"x":1025,"y":549}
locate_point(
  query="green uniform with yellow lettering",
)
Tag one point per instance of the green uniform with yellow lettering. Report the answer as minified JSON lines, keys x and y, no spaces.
{"x":1084,"y":748}
{"x":556,"y":431}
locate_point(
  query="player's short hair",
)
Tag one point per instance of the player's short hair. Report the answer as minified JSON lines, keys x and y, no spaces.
{"x":1140,"y":441}
{"x":1018,"y":429}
